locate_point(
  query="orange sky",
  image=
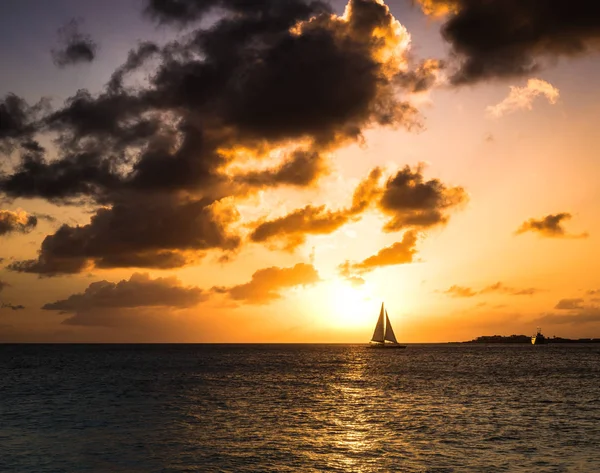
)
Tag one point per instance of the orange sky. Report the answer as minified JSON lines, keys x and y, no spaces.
{"x":472,"y":212}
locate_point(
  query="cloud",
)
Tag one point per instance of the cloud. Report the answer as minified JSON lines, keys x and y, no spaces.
{"x":462,"y":291}
{"x":154,"y":159}
{"x":401,"y":252}
{"x":18,"y":120}
{"x":139,"y":291}
{"x":521,"y":98}
{"x":294,"y":227}
{"x":593,"y":292}
{"x":75,"y":47}
{"x":267,"y":284}
{"x":304,"y":168}
{"x":501,"y":288}
{"x":16,"y":222}
{"x":506,"y":38}
{"x":413,"y":202}
{"x":130,"y":234}
{"x":549,"y":226}
{"x":6,"y":305}
{"x":580,"y":316}
{"x":569,"y":304}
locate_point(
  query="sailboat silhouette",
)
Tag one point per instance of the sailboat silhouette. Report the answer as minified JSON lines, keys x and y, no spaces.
{"x":383,"y":336}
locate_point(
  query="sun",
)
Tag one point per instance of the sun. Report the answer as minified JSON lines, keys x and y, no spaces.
{"x":351,"y":306}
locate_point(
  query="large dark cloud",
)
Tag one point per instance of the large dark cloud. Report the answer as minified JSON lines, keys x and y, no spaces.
{"x":139,"y":291}
{"x":549,"y":226}
{"x":16,"y":222}
{"x":130,"y":235}
{"x":503,"y":38}
{"x":75,"y":47}
{"x":267,"y":284}
{"x":259,"y":78}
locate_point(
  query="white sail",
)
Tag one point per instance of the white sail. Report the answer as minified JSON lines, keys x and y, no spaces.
{"x":389,"y":332}
{"x":378,"y":333}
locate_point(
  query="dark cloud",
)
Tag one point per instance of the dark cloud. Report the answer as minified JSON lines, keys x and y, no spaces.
{"x":267,"y":284}
{"x":412,"y":202}
{"x":18,"y":121}
{"x":580,"y":316}
{"x":135,"y":59}
{"x":500,"y":288}
{"x":6,"y":305}
{"x":75,"y":47}
{"x":549,"y":226}
{"x":258,"y":78}
{"x":302,"y":169}
{"x":130,"y":235}
{"x":503,"y":38}
{"x":421,"y":78}
{"x":401,"y":252}
{"x":139,"y":291}
{"x":16,"y":222}
{"x":569,"y":304}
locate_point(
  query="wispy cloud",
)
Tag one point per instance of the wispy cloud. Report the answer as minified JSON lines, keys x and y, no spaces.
{"x":521,"y":98}
{"x":463,"y":291}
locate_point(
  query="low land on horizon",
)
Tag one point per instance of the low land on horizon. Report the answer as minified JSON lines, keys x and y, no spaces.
{"x":527,"y":339}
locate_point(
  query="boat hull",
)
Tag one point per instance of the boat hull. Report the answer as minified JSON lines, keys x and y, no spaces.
{"x":390,"y":346}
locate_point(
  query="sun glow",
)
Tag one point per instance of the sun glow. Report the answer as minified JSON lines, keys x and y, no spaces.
{"x":350,"y":306}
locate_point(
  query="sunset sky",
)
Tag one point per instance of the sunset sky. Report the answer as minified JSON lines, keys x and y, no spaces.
{"x":272,"y":170}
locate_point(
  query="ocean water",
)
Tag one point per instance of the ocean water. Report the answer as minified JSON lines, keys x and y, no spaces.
{"x":300,"y":408}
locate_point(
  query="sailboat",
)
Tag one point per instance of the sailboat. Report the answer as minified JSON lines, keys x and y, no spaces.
{"x":383,"y":336}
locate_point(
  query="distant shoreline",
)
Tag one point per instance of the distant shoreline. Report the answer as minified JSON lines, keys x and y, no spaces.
{"x":527,"y":339}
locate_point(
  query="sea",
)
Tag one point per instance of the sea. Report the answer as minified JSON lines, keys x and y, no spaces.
{"x":299,"y":408}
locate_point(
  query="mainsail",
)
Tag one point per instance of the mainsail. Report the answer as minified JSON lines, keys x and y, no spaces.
{"x":378,"y":333}
{"x":389,"y":332}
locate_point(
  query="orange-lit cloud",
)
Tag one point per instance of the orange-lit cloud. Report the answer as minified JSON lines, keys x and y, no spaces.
{"x":401,"y":252}
{"x":16,"y":222}
{"x":462,"y":291}
{"x":521,"y":98}
{"x":267,"y":284}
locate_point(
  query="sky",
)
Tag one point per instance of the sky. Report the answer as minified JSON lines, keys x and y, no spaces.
{"x":274,"y":170}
